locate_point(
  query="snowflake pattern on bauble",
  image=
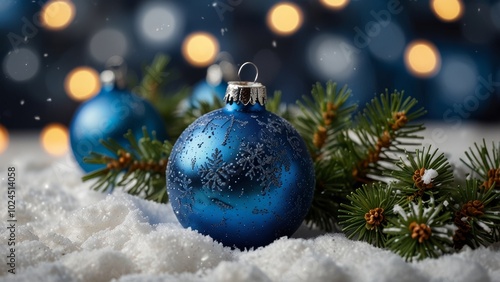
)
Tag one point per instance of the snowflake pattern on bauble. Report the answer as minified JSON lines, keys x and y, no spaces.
{"x":215,"y":172}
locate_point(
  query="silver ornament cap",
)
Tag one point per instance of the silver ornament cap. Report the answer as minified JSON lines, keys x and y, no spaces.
{"x":246,"y":92}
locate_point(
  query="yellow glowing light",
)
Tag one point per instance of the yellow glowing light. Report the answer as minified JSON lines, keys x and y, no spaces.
{"x":422,"y":58}
{"x":447,"y":10}
{"x":54,"y":139}
{"x":284,"y":18}
{"x":334,"y":4}
{"x":57,"y":14}
{"x":82,"y":83}
{"x":4,"y":139}
{"x":200,"y":49}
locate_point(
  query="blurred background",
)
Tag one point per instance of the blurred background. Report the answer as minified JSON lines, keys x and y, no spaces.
{"x":445,"y":53}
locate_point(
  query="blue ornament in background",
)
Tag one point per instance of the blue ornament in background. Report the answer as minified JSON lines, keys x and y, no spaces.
{"x":204,"y":91}
{"x":241,"y":174}
{"x":207,"y":89}
{"x":110,"y":114}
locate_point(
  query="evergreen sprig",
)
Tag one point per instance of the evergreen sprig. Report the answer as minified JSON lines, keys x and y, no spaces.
{"x":151,"y":88}
{"x":424,"y":174}
{"x":139,"y":169}
{"x":476,"y":215}
{"x":328,"y":194}
{"x":420,"y":231}
{"x":365,"y":217}
{"x":320,"y":120}
{"x":485,"y":163}
{"x":382,"y":130}
{"x":323,"y":117}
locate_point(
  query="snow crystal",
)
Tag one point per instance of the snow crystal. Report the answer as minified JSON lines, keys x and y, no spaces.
{"x":429,"y":175}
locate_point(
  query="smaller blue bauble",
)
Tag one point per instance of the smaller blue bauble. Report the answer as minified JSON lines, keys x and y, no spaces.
{"x":110,"y":114}
{"x":205,"y":92}
{"x":241,"y":175}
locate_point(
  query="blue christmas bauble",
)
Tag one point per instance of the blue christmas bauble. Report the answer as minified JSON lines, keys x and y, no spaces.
{"x":205,"y":92}
{"x":110,"y":114}
{"x":241,"y":174}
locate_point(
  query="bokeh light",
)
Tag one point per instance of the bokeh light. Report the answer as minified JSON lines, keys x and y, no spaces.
{"x":334,"y":4}
{"x":422,"y":58}
{"x":447,"y":10}
{"x":159,"y":23}
{"x":55,"y":139}
{"x":57,"y":14}
{"x":82,"y":83}
{"x":4,"y":139}
{"x":332,"y":57}
{"x":107,"y":43}
{"x":21,"y":64}
{"x":200,"y":49}
{"x":284,"y":18}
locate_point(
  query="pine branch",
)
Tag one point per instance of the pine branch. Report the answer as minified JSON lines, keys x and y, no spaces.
{"x":323,"y":117}
{"x":383,"y":131}
{"x":477,"y":215}
{"x":420,"y":232}
{"x":193,"y":112}
{"x":139,"y":170}
{"x":365,"y":217}
{"x":485,"y":163}
{"x":155,"y":77}
{"x":320,"y":121}
{"x":328,"y":194}
{"x":425,"y":173}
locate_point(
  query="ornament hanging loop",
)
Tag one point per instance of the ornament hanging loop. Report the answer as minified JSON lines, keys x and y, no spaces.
{"x":246,"y":92}
{"x":256,"y":70}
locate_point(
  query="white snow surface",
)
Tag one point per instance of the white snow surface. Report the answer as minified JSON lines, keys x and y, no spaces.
{"x":429,"y":175}
{"x":67,"y":232}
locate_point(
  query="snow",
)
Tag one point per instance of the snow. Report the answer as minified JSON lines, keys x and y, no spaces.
{"x":399,"y":210}
{"x":67,"y":232}
{"x":429,"y":175}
